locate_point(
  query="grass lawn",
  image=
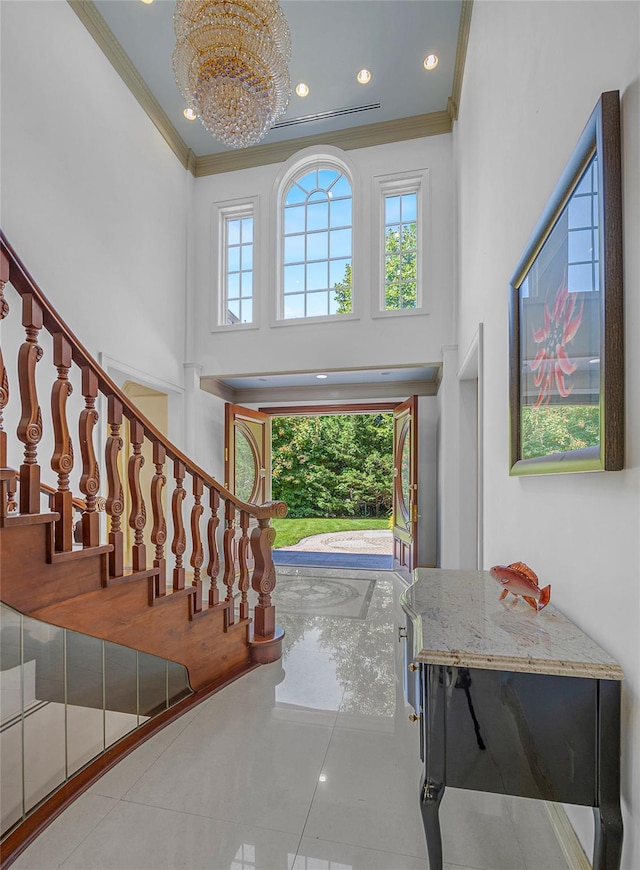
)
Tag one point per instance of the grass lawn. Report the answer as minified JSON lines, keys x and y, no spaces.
{"x":290,"y":531}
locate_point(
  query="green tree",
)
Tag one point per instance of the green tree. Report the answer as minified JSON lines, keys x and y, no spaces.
{"x":342,"y":292}
{"x":333,"y":465}
{"x":400,"y":267}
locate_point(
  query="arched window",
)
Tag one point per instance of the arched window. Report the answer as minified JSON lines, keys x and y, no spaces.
{"x":316,"y":241}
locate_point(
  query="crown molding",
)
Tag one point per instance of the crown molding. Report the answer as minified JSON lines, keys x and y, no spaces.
{"x":461,"y":55}
{"x":367,"y":135}
{"x":119,"y":59}
{"x":382,"y":133}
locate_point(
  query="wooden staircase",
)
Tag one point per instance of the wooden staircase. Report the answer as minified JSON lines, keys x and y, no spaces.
{"x":192,"y":604}
{"x":74,"y":590}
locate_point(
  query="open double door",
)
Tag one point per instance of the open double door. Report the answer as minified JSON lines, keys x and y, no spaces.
{"x":248,"y":468}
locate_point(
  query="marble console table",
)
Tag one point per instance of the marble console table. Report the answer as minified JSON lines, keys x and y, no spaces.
{"x":510,"y":701}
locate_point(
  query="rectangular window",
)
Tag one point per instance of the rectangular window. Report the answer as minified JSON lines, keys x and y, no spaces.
{"x":235,"y":253}
{"x":400,"y":251}
{"x":238,"y":271}
{"x":400,"y":237}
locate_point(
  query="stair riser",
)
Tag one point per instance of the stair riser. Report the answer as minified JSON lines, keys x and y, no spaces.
{"x":30,"y":583}
{"x":122,"y":614}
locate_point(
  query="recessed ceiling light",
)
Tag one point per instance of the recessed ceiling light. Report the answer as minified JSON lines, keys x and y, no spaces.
{"x":322,"y":777}
{"x":364,"y":76}
{"x":147,"y":1}
{"x":302,"y":90}
{"x":431,"y":61}
{"x":322,"y":377}
{"x":189,"y":112}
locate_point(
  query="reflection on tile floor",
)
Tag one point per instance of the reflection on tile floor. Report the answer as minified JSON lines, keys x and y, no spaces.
{"x":306,"y":764}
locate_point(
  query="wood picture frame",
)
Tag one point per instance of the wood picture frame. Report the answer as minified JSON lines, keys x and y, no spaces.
{"x":566,"y":356}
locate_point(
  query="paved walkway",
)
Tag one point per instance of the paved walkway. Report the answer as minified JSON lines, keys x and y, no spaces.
{"x":359,"y":548}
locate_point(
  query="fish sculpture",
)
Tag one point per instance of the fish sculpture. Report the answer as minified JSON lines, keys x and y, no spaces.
{"x":519,"y":579}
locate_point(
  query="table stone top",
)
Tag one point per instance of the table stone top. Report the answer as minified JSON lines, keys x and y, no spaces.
{"x":458,"y":620}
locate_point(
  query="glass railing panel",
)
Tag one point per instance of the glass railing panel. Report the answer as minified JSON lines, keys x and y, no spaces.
{"x":152,"y":676}
{"x":44,"y":710}
{"x":120,"y":691}
{"x":11,"y":781}
{"x":64,"y":698}
{"x":85,"y":686}
{"x":178,"y":680}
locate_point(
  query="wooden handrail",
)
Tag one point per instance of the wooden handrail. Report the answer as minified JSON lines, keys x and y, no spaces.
{"x":23,"y":282}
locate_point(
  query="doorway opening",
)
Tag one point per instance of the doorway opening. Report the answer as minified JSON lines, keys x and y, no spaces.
{"x":335,"y":472}
{"x":346,"y":472}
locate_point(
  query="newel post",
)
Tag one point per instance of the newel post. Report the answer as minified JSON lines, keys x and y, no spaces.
{"x":264,"y":577}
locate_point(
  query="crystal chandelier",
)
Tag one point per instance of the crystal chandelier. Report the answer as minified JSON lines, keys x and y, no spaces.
{"x":230,"y":63}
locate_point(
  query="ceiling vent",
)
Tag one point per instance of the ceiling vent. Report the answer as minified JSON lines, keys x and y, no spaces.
{"x":325,"y":116}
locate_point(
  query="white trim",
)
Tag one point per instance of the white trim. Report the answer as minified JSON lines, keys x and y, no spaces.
{"x":321,"y":318}
{"x":399,"y":312}
{"x":472,"y":369}
{"x":567,"y":837}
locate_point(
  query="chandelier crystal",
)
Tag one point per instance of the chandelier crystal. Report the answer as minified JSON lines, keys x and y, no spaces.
{"x":231,"y":65}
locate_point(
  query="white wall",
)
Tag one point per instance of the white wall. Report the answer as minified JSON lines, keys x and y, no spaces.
{"x":534,"y":72}
{"x":93,"y":200}
{"x":340,"y":343}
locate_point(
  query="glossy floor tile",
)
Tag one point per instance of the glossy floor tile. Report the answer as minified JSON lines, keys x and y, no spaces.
{"x":306,"y":764}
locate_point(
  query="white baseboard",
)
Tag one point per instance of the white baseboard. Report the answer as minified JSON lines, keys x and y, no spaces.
{"x":567,"y":837}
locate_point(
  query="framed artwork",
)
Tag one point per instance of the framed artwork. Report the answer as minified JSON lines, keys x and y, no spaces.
{"x":566,"y":363}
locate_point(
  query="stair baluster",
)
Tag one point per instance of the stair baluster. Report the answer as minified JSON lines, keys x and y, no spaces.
{"x":62,"y":459}
{"x":197,"y":553}
{"x":138,"y":514}
{"x":115,"y":497}
{"x":243,"y":579}
{"x":30,"y":425}
{"x":213,"y":566}
{"x":90,"y":480}
{"x":159,"y":532}
{"x":228,"y":578}
{"x":179,"y":543}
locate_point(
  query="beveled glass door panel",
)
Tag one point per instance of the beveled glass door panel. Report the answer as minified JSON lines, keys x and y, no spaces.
{"x":248,"y":453}
{"x":405,"y":485}
{"x":247,"y":471}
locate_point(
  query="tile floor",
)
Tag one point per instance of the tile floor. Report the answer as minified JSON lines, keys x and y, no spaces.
{"x":306,"y":764}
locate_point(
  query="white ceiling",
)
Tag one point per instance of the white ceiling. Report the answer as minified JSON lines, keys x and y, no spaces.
{"x":370,"y":384}
{"x":331,"y":41}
